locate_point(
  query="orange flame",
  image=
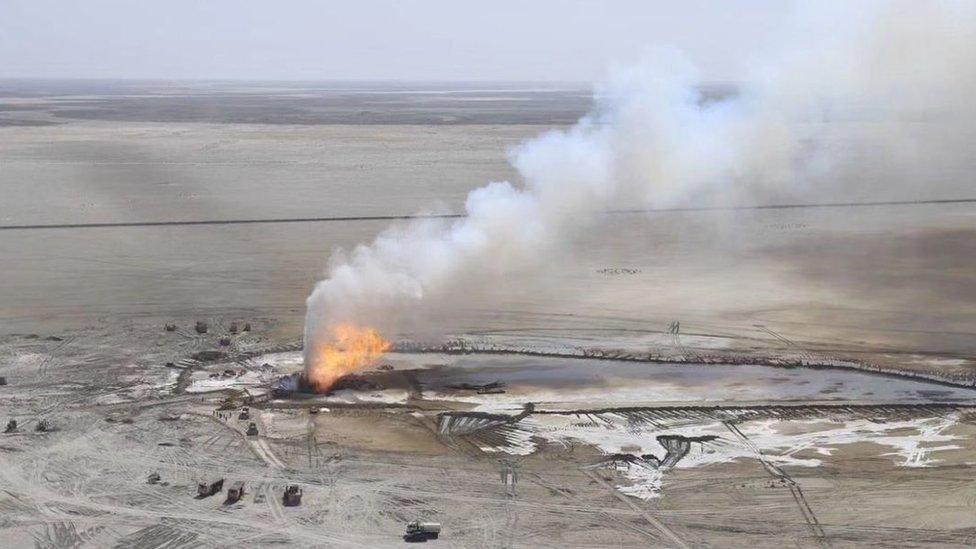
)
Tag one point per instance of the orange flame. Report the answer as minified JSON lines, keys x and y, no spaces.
{"x":349,"y":348}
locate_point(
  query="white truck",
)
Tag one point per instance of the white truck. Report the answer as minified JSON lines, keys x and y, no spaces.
{"x":422,"y":531}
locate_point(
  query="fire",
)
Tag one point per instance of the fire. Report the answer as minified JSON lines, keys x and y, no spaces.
{"x":348,"y":348}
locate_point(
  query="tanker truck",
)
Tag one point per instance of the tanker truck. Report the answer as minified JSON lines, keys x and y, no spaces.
{"x":422,"y":531}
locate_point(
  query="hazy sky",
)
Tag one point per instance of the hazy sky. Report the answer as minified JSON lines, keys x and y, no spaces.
{"x":373,"y":39}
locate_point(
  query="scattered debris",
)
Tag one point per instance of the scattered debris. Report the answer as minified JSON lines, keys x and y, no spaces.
{"x":292,"y":496}
{"x":205,"y":488}
{"x":201,"y":327}
{"x":169,"y":417}
{"x":224,"y":341}
{"x":313,"y":410}
{"x":154,"y":478}
{"x":170,"y":327}
{"x":290,"y":383}
{"x":385,"y":367}
{"x":235,"y":492}
{"x":422,"y":531}
{"x":233,"y":328}
{"x":245,"y":413}
{"x":355,"y":382}
{"x":229,"y":373}
{"x":247,"y":326}
{"x":11,"y":426}
{"x":42,"y":426}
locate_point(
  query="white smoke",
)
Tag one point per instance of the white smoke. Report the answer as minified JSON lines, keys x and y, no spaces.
{"x":655,"y":140}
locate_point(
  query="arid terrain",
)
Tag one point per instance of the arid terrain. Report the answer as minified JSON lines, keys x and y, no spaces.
{"x":774,"y":377}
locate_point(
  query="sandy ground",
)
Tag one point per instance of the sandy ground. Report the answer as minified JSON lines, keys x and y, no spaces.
{"x":872,"y":476}
{"x":82,"y":346}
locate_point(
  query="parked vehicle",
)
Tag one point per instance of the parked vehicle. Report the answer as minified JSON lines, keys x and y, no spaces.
{"x":235,"y":492}
{"x":422,"y":531}
{"x":209,"y":488}
{"x":293,"y":496}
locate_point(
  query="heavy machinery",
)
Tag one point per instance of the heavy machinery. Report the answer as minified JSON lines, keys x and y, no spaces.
{"x":422,"y":531}
{"x":209,"y":488}
{"x":245,"y":413}
{"x":292,"y":496}
{"x":252,"y":429}
{"x":235,"y":492}
{"x":11,"y":426}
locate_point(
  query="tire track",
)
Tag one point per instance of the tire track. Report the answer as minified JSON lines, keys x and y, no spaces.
{"x":775,"y":471}
{"x":277,"y":512}
{"x":657,"y":524}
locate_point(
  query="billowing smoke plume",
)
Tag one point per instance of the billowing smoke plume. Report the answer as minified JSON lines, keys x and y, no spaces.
{"x":656,"y":139}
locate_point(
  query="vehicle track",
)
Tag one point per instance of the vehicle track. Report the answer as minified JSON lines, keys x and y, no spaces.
{"x":657,"y":524}
{"x":808,"y":516}
{"x":274,"y":506}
